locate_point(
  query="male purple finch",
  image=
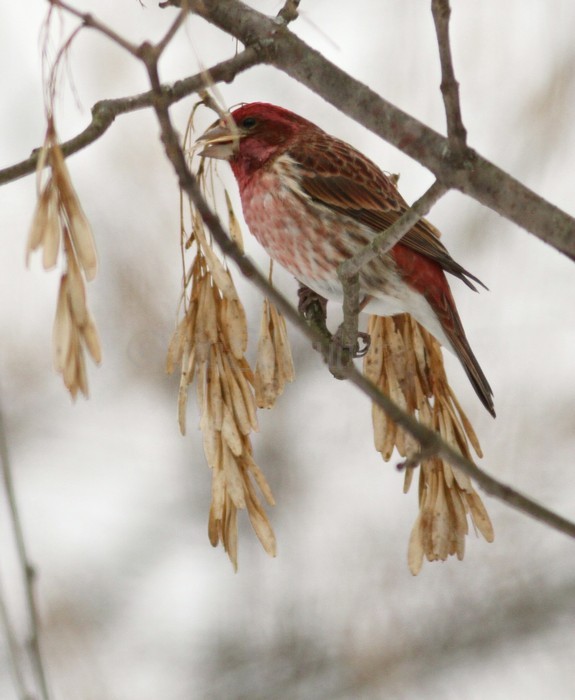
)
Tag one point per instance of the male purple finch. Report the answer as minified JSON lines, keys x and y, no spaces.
{"x":313,"y":201}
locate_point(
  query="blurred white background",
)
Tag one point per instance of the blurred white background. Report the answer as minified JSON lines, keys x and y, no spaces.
{"x":134,"y":601}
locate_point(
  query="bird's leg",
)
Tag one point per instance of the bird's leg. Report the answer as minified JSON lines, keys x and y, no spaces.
{"x":313,"y":307}
{"x":344,"y":341}
{"x":355,"y":342}
{"x":364,"y":337}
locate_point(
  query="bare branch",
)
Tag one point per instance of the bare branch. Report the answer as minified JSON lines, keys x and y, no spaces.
{"x":431,"y":443}
{"x":28,"y":574}
{"x":346,"y":336}
{"x":91,"y":22}
{"x":173,"y":29}
{"x":289,"y":11}
{"x":456,"y":132}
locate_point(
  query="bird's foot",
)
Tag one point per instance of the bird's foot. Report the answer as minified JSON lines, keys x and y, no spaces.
{"x":338,"y":355}
{"x":341,"y":356}
{"x":361,"y":350}
{"x":313,"y":307}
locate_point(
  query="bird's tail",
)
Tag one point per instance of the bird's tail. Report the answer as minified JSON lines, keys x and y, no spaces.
{"x":451,"y":324}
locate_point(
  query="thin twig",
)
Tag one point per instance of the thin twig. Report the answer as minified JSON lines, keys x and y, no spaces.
{"x":348,"y":271}
{"x":431,"y":443}
{"x":28,"y":573}
{"x":346,"y":336}
{"x":105,"y":111}
{"x":91,"y":22}
{"x":456,"y":132}
{"x":180,"y":19}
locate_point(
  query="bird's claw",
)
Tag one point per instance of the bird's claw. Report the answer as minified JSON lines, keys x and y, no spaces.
{"x":311,"y":304}
{"x":365,"y":338}
{"x":341,"y":356}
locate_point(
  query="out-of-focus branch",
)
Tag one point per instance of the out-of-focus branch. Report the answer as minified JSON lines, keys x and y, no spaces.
{"x":473,"y":174}
{"x":289,"y":11}
{"x":13,"y":651}
{"x":28,"y":575}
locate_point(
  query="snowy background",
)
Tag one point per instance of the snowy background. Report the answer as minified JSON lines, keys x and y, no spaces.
{"x":135,"y":603}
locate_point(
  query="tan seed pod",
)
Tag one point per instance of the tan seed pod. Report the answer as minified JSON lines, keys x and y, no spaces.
{"x":230,"y":432}
{"x":63,"y":329}
{"x":233,"y":224}
{"x":244,"y":380}
{"x":233,"y":319}
{"x":258,"y":475}
{"x":234,"y":483}
{"x":240,"y":410}
{"x":92,"y":339}
{"x":80,"y":230}
{"x":260,"y":523}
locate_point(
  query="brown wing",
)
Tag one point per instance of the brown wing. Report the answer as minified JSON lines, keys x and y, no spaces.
{"x":338,"y":176}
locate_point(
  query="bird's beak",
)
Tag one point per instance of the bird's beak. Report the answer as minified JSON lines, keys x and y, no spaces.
{"x":221,"y":140}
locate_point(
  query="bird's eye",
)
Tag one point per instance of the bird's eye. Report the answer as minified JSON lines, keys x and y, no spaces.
{"x":249,"y":122}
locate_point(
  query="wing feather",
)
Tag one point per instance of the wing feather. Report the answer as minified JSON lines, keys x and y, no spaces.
{"x":341,"y":178}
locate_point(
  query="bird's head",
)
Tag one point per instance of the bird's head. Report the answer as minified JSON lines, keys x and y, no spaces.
{"x":252,"y":135}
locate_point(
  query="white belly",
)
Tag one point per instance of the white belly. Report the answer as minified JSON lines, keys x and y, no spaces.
{"x":404,"y":300}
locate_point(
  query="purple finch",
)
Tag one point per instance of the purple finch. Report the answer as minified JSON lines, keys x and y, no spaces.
{"x":313,"y":201}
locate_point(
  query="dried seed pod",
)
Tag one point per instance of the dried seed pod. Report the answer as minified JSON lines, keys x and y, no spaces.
{"x":60,"y":226}
{"x":406,"y":363}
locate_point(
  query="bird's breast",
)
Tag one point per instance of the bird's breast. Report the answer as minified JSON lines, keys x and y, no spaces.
{"x":295,"y":231}
{"x":310,"y":240}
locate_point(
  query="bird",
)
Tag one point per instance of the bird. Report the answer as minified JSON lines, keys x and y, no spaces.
{"x":313,"y":201}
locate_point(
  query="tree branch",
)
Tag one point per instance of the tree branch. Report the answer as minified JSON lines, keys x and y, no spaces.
{"x":348,"y":273}
{"x":13,"y":651}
